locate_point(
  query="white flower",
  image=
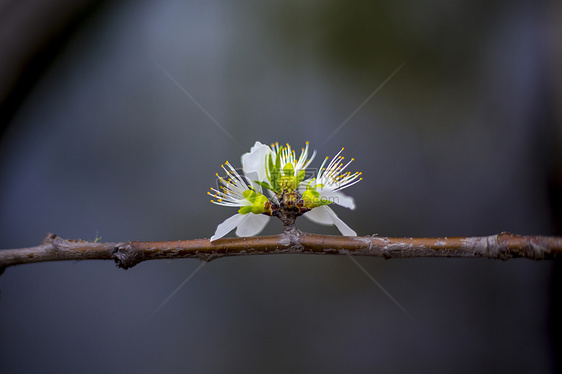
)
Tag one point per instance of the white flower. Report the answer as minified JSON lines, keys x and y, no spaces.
{"x":318,"y":193}
{"x":278,"y":170}
{"x":236,"y":192}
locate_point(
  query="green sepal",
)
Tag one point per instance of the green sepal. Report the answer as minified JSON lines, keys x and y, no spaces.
{"x":250,"y":195}
{"x":276,"y":173}
{"x":264,"y":185}
{"x":278,"y":161}
{"x":270,"y":163}
{"x":300,"y":176}
{"x":273,"y":174}
{"x":245,"y":209}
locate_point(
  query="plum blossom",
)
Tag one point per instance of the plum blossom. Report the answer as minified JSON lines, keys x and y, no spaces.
{"x":318,"y":193}
{"x":236,"y":191}
{"x":277,"y":170}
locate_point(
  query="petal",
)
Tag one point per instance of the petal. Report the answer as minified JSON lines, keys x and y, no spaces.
{"x":344,"y":229}
{"x":338,"y":198}
{"x":257,"y":145}
{"x":324,"y":215}
{"x":227,"y":226}
{"x":253,"y":162}
{"x":252,"y":224}
{"x":320,"y":215}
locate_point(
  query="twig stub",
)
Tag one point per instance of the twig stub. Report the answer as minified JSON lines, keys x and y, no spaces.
{"x":125,"y":256}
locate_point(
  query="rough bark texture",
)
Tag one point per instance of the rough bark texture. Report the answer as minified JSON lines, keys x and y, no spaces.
{"x":127,"y":254}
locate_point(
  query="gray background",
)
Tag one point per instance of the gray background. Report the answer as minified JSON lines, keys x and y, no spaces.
{"x":461,"y":141}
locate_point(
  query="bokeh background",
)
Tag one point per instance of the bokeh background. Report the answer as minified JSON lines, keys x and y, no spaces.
{"x":100,"y":140}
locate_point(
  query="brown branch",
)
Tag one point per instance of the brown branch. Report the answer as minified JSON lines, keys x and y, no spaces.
{"x":127,"y":254}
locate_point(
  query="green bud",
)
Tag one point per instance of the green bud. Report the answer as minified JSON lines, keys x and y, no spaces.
{"x":289,"y":170}
{"x":258,"y":203}
{"x":311,"y":199}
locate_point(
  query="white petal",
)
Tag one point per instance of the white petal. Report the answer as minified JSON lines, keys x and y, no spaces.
{"x":227,"y":226}
{"x":338,"y":198}
{"x":344,"y":229}
{"x":252,"y":224}
{"x":324,"y":215}
{"x":253,"y":162}
{"x":257,"y":145}
{"x":320,"y":215}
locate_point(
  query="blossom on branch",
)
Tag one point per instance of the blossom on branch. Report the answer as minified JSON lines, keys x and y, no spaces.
{"x":238,"y":192}
{"x":318,"y":193}
{"x":277,"y":170}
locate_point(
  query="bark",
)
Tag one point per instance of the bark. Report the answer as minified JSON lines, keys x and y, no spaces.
{"x":128,"y":254}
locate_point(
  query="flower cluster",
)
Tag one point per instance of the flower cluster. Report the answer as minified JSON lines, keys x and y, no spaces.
{"x":275,"y":183}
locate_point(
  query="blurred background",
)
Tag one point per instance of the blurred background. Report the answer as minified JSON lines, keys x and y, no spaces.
{"x":117,"y":115}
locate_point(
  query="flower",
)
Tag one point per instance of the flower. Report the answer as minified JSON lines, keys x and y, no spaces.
{"x":325,"y":188}
{"x":318,"y":193}
{"x":282,"y":174}
{"x":237,"y":192}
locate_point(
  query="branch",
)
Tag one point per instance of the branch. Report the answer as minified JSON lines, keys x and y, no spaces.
{"x":127,"y":254}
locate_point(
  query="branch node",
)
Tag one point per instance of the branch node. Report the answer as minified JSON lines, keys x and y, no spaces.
{"x":291,"y":237}
{"x":125,"y":256}
{"x":494,"y":249}
{"x":49,"y":239}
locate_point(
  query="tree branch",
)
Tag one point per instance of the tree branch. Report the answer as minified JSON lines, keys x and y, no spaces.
{"x":127,"y":254}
